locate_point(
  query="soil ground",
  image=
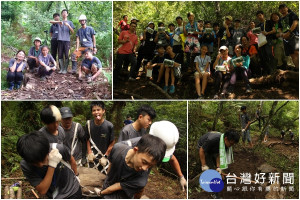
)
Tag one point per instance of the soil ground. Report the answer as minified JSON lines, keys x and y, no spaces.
{"x":246,"y":160}
{"x":60,"y":86}
{"x":141,"y":89}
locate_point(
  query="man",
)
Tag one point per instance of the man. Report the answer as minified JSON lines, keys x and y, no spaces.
{"x":33,"y":54}
{"x":265,"y":51}
{"x":85,"y":36}
{"x":259,"y":117}
{"x":290,"y":24}
{"x":123,"y":24}
{"x":214,"y":147}
{"x":236,"y":34}
{"x":75,"y":138}
{"x":168,"y":132}
{"x":224,"y":33}
{"x":128,"y":40}
{"x":129,"y":168}
{"x":54,"y":34}
{"x":245,"y":124}
{"x":65,"y":28}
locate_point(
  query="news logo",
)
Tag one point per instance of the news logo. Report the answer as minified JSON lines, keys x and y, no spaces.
{"x":211,"y":181}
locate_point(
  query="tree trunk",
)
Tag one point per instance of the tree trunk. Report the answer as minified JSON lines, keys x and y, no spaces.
{"x":219,"y":110}
{"x":116,"y":116}
{"x":218,"y":11}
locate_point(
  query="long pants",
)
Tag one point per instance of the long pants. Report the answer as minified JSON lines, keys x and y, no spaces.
{"x":32,"y":63}
{"x":63,"y":49}
{"x":119,"y":61}
{"x":267,"y":59}
{"x":79,"y":53}
{"x":43,"y":72}
{"x":14,"y":76}
{"x":239,"y":71}
{"x":54,"y":48}
{"x":221,"y":78}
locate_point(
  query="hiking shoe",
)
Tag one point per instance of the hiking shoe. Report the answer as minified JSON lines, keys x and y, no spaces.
{"x":172,"y":89}
{"x":166,"y":88}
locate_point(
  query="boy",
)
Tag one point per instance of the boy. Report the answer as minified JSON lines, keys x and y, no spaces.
{"x":211,"y":155}
{"x":128,"y":120}
{"x":91,"y":66}
{"x":168,"y":132}
{"x":44,"y":170}
{"x":156,"y":64}
{"x":75,"y":136}
{"x":54,"y":34}
{"x":145,"y":115}
{"x":129,"y":169}
{"x":51,"y":116}
{"x":33,"y":54}
{"x":171,"y":33}
{"x":245,"y":123}
{"x":101,"y":136}
{"x":208,"y":38}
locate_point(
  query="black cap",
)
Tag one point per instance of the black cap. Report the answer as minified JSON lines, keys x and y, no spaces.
{"x":66,"y":112}
{"x":282,"y":6}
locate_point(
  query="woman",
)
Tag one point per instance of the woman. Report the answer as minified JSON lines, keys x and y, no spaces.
{"x":253,"y":40}
{"x":15,"y":70}
{"x":191,"y":45}
{"x":170,"y":55}
{"x":222,"y":74}
{"x":47,"y":63}
{"x":240,"y":68}
{"x":277,"y":40}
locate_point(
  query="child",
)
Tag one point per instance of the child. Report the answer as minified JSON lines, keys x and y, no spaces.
{"x":156,"y":64}
{"x":101,"y":136}
{"x":162,"y":37}
{"x":42,"y":167}
{"x":170,"y":69}
{"x":33,"y":54}
{"x":203,"y":70}
{"x":145,"y":115}
{"x":90,"y":65}
{"x":208,"y":38}
{"x":171,"y":33}
{"x":51,"y":116}
{"x":129,"y":169}
{"x":15,"y":70}
{"x":245,"y":123}
{"x":47,"y":63}
{"x":75,"y":136}
{"x":128,"y":120}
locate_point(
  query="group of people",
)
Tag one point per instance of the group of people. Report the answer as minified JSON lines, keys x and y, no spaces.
{"x":225,"y":52}
{"x":44,"y":63}
{"x":52,"y":154}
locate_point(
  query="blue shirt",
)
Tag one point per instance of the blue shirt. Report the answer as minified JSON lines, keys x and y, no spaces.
{"x":88,"y":63}
{"x":86,"y":36}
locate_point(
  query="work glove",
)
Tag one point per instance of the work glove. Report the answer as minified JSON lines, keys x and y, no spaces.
{"x":98,"y":191}
{"x":183,"y":183}
{"x":91,"y":157}
{"x":204,"y":168}
{"x":219,"y":170}
{"x":103,"y":161}
{"x":54,"y":158}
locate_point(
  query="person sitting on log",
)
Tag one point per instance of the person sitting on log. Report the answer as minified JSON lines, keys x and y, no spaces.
{"x":15,"y":70}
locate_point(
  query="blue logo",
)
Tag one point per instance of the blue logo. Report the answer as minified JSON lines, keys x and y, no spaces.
{"x":211,"y":181}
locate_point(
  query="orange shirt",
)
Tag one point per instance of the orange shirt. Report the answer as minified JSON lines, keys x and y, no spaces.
{"x":128,"y":47}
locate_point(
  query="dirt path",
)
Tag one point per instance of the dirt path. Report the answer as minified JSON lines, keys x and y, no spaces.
{"x":60,"y":86}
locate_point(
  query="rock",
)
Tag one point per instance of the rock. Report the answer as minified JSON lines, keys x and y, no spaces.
{"x":266,"y":168}
{"x":275,"y":192}
{"x":70,"y":91}
{"x":29,"y":86}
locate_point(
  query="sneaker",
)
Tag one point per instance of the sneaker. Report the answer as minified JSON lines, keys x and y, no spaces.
{"x":166,"y":88}
{"x":131,"y":79}
{"x":172,"y":89}
{"x":216,"y":96}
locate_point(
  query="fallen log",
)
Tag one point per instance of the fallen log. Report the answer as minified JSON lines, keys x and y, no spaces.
{"x":160,"y":90}
{"x":14,"y":178}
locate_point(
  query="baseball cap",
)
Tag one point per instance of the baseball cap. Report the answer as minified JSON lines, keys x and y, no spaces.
{"x":66,"y":112}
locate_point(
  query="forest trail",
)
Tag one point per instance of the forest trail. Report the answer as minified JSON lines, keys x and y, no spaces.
{"x":59,"y":86}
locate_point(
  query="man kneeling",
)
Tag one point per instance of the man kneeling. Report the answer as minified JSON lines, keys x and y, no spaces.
{"x":129,"y":168}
